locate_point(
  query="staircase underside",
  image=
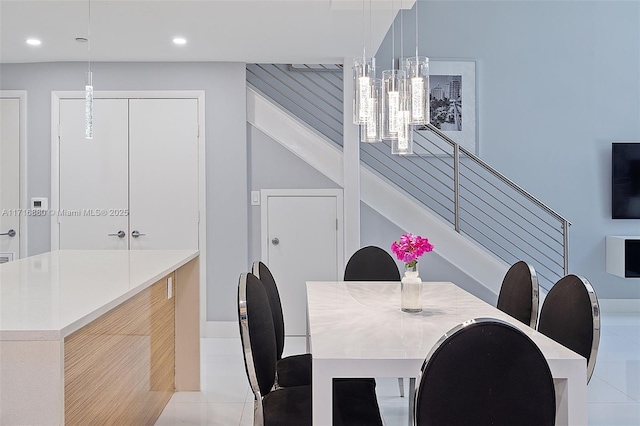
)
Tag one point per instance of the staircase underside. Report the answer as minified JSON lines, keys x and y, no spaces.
{"x":485,"y":272}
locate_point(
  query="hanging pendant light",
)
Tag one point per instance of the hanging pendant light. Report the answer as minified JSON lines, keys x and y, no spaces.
{"x":403,"y":144}
{"x":371,"y":128}
{"x":396,"y":113}
{"x":393,"y":95}
{"x":417,"y":69}
{"x":88,"y":88}
{"x":364,"y":71}
{"x":88,"y":107}
{"x":371,"y":131}
{"x":392,"y":88}
{"x":363,"y":74}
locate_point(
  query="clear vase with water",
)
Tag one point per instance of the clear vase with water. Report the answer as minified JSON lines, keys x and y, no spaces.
{"x":411,"y":289}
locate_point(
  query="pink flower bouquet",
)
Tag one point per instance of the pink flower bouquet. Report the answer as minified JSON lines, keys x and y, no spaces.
{"x":410,"y":248}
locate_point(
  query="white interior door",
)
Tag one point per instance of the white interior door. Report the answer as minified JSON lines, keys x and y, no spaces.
{"x":9,"y":179}
{"x":163,"y":170}
{"x":93,"y":176}
{"x":303,"y":238}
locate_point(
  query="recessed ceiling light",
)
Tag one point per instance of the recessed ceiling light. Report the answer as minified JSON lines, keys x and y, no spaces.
{"x":33,"y":42}
{"x":180,"y":40}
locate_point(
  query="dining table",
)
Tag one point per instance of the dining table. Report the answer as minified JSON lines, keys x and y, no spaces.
{"x":357,"y":329}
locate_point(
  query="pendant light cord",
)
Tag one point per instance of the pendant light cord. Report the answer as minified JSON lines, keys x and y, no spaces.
{"x":364,"y":48}
{"x":417,"y":1}
{"x":89,"y":37}
{"x":393,"y":37}
{"x":401,"y":34}
{"x":370,"y":25}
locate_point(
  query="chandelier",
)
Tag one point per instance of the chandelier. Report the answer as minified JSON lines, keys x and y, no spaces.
{"x":389,"y":108}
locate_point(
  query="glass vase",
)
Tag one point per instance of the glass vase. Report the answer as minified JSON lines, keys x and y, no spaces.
{"x":411,"y":290}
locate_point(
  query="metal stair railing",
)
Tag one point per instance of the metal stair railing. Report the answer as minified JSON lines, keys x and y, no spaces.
{"x":474,"y":198}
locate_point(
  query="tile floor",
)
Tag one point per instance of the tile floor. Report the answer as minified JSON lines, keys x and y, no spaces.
{"x":613,"y":398}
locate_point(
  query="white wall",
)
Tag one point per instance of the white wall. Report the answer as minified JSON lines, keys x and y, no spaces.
{"x":557,"y":82}
{"x":226,"y":151}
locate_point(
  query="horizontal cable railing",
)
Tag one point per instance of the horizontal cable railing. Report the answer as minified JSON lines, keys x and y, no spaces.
{"x":314,"y":96}
{"x":469,"y":194}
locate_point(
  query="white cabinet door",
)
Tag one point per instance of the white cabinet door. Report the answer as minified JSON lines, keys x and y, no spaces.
{"x":138,"y":173}
{"x":163,"y":170}
{"x":94,"y":176}
{"x":9,"y":178}
{"x":303,"y":245}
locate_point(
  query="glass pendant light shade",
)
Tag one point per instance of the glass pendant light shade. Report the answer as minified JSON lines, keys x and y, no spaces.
{"x":88,"y":107}
{"x":417,"y":69}
{"x":394,"y":91}
{"x":403,"y":144}
{"x":364,"y":71}
{"x":371,"y":130}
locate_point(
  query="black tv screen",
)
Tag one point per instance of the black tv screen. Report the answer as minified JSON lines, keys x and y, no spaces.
{"x":625,"y":191}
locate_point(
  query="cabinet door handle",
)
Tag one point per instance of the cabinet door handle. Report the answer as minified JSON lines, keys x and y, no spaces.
{"x":119,"y":234}
{"x":136,"y":234}
{"x":10,"y":233}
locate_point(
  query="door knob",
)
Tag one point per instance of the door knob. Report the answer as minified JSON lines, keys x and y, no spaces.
{"x":136,"y":234}
{"x":275,"y":241}
{"x":119,"y":234}
{"x":10,"y":233}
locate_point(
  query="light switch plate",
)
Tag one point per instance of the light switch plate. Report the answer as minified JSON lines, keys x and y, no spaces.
{"x":169,"y":288}
{"x":255,"y":198}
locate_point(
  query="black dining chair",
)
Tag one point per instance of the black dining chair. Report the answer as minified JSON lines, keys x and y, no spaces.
{"x":519,"y":293}
{"x":371,"y":263}
{"x":485,"y":372}
{"x":354,"y":402}
{"x":293,"y":370}
{"x":570,"y":315}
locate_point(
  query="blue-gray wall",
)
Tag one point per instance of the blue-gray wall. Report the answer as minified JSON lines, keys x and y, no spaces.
{"x":272,"y":166}
{"x":226,"y":151}
{"x":557,"y":82}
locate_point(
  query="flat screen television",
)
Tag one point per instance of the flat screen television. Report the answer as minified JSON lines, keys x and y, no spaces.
{"x":625,"y":180}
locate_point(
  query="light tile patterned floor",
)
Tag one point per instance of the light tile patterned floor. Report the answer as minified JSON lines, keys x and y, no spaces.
{"x":613,"y":394}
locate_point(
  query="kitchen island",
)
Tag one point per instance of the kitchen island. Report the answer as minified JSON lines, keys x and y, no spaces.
{"x":97,"y":336}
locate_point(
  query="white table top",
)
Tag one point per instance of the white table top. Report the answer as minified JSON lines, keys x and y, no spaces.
{"x":49,"y":296}
{"x":363,"y":320}
{"x":356,"y":329}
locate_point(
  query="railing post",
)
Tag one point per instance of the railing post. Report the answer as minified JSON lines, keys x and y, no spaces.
{"x":565,"y":243}
{"x":456,"y":186}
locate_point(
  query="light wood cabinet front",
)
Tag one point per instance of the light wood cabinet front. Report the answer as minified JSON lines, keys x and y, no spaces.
{"x":120,"y":368}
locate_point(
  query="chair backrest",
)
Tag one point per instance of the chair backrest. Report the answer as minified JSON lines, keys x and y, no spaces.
{"x":371,"y":263}
{"x":519,"y":293}
{"x":257,"y":335}
{"x":485,"y":372}
{"x":263,"y":273}
{"x":570,"y":315}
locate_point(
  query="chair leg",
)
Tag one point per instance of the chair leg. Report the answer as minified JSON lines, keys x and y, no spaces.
{"x":401,"y":386}
{"x":412,"y":399}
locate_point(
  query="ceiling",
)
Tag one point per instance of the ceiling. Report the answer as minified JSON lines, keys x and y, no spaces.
{"x":252,"y":31}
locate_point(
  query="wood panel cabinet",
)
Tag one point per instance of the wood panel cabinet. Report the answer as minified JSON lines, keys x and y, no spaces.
{"x":119,"y":369}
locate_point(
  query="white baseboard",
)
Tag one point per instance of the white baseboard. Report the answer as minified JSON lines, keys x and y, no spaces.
{"x":619,"y":306}
{"x":220,"y":329}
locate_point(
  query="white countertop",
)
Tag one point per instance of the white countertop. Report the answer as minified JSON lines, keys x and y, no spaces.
{"x":51,"y":295}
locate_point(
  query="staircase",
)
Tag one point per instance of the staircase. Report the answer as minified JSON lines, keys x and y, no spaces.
{"x":482,"y":221}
